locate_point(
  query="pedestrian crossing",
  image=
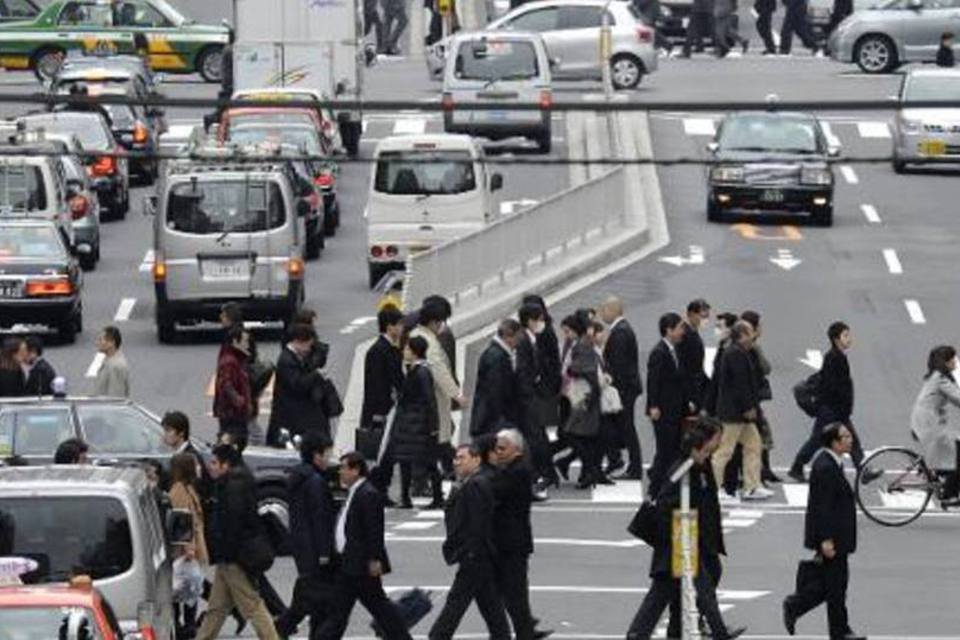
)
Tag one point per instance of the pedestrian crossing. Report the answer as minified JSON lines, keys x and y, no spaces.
{"x":837,"y":129}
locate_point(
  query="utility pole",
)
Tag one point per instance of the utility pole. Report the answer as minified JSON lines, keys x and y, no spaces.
{"x":687,"y":534}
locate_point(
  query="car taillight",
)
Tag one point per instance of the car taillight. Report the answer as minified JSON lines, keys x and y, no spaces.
{"x":79,"y":205}
{"x":40,"y":288}
{"x":104,"y":166}
{"x":644,"y":34}
{"x":546,"y":99}
{"x":447,"y":102}
{"x":376,"y":251}
{"x":140,"y":133}
{"x":159,"y":269}
{"x":145,"y":614}
{"x":324,"y":180}
{"x":391,"y":251}
{"x":295,"y":267}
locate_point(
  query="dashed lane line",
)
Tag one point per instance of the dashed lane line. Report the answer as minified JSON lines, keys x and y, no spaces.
{"x":849,"y":174}
{"x":873,"y":129}
{"x":94,"y":367}
{"x":125,"y":309}
{"x":915,"y":311}
{"x":699,"y":127}
{"x":870,"y":213}
{"x":893,"y":261}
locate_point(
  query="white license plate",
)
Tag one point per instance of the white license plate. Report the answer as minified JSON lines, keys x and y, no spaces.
{"x":11,"y":289}
{"x":226,"y":269}
{"x":771,"y":195}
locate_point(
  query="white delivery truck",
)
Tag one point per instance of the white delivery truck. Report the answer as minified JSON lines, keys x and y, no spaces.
{"x":308,"y":44}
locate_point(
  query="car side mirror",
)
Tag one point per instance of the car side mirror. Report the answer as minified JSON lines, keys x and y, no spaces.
{"x":496,"y":182}
{"x":150,"y":206}
{"x":713,"y":147}
{"x":915,"y":5}
{"x":833,"y":152}
{"x":179,"y":526}
{"x":555,"y":63}
{"x":303,"y":208}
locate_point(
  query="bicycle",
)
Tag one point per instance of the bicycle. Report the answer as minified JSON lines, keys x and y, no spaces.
{"x":902,"y":490}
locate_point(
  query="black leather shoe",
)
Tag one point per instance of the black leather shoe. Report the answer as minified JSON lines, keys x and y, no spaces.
{"x":563,"y":466}
{"x":789,"y":619}
{"x":736,"y":633}
{"x":796,"y":474}
{"x":767,"y":475}
{"x":614,"y":466}
{"x":603,"y":479}
{"x":540,"y":634}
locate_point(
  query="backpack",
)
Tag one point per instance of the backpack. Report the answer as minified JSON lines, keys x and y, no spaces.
{"x":806,"y":392}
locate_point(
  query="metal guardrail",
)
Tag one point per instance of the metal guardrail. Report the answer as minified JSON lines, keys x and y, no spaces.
{"x":513,"y":244}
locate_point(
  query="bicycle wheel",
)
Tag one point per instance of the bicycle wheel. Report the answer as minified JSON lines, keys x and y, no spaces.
{"x":901,"y":492}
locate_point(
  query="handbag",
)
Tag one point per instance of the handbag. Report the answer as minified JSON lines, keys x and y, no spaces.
{"x":643,"y":525}
{"x":809,"y":574}
{"x":329,"y":399}
{"x":610,"y":402}
{"x":368,"y":441}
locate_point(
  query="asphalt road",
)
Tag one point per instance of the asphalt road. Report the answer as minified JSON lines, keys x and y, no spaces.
{"x":587,"y":575}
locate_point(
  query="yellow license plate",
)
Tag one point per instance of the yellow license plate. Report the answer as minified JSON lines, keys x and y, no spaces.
{"x":932,"y":147}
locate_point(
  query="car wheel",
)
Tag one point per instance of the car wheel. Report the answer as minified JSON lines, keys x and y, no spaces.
{"x":274,"y":512}
{"x":625,"y":71}
{"x":208,"y":64}
{"x":88,"y":261}
{"x":68,"y":330}
{"x":336,"y":212}
{"x":46,"y":63}
{"x":96,"y":252}
{"x":824,"y":218}
{"x":876,"y":54}
{"x":899,"y":166}
{"x":713,"y":212}
{"x":315,"y":244}
{"x":544,"y":141}
{"x":166,"y":330}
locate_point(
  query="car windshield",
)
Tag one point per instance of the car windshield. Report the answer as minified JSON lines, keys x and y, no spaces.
{"x":225,"y":206}
{"x":44,"y":623}
{"x":69,"y":535}
{"x":22,"y":188}
{"x":933,"y":88}
{"x":28,"y":243}
{"x":764,"y":133}
{"x":91,"y":131}
{"x":425,"y":172}
{"x":121,"y":429}
{"x":300,"y":137}
{"x":496,"y":60}
{"x":170,"y":12}
{"x":270,"y":118}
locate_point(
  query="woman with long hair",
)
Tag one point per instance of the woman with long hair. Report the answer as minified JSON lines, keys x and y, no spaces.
{"x":184,"y":475}
{"x":939,"y":439}
{"x":12,"y":380}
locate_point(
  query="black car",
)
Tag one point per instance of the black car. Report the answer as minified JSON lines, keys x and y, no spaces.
{"x":771,"y":165}
{"x":40,"y":281}
{"x":109,"y":176}
{"x":120,"y":431}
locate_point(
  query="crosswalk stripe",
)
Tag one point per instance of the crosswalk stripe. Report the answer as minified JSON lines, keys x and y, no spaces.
{"x":796,"y":494}
{"x":410,"y":126}
{"x":909,"y":501}
{"x":699,"y":126}
{"x":629,"y":491}
{"x":873,"y":129}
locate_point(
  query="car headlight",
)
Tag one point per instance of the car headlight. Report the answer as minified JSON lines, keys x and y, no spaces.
{"x":910,"y":126}
{"x":816,"y":175}
{"x":665,"y":12}
{"x":726,"y":174}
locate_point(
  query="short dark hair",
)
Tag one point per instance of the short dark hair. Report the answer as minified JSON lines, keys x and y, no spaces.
{"x":836,"y":329}
{"x":739,"y":328}
{"x":69,"y":451}
{"x":233,"y":312}
{"x":432,"y":311}
{"x":508,"y":328}
{"x":419,"y":345}
{"x":302,"y":333}
{"x":470,"y":448}
{"x":304,"y":315}
{"x":441,"y":303}
{"x":530,"y":312}
{"x":752,"y":317}
{"x":113,"y":335}
{"x":389,"y":316}
{"x":485,"y":444}
{"x":698,"y":306}
{"x":176,"y":421}
{"x":573,"y":323}
{"x":227,"y":454}
{"x":669,"y":321}
{"x":700,"y":433}
{"x":313,"y":441}
{"x":355,"y":460}
{"x":34,"y":344}
{"x":728,"y":319}
{"x":946,"y":35}
{"x":830,"y":434}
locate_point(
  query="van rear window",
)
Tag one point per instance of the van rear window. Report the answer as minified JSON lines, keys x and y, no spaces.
{"x":22,"y":188}
{"x":496,"y":60}
{"x":67,"y":536}
{"x":225,"y":206}
{"x":425,"y":173}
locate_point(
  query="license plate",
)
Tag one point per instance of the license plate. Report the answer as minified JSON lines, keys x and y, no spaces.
{"x":11,"y":289}
{"x":685,"y":22}
{"x":498,"y":115}
{"x":932,"y":147}
{"x":771,"y":195}
{"x":226,"y":269}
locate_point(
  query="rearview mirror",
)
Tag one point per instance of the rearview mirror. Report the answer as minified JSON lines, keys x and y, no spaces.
{"x":150,"y":206}
{"x":179,"y":526}
{"x":713,"y":147}
{"x":496,"y":182}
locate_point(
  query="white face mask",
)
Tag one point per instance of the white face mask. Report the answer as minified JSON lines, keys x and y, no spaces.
{"x":720,"y":332}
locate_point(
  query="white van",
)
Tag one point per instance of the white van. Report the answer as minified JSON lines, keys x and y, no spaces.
{"x":426,"y":190}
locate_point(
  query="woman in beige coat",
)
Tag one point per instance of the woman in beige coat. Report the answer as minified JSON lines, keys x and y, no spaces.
{"x":183,"y":495}
{"x":939,"y":439}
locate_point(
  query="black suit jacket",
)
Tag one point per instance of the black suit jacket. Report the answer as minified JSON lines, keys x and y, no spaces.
{"x":666,"y":387}
{"x":528,"y":383}
{"x":295,"y":405}
{"x":495,"y":397}
{"x":831,"y":509}
{"x":737,"y":390}
{"x":836,"y":385}
{"x":364,"y":530}
{"x":469,"y":521}
{"x":513,"y":492}
{"x":40,"y":379}
{"x":623,"y":360}
{"x":382,"y":378}
{"x":691,"y":353}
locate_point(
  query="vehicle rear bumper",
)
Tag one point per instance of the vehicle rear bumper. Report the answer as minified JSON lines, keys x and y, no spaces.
{"x":51,"y":313}
{"x":907,"y":147}
{"x":748,"y":200}
{"x":260,"y":308}
{"x":109,"y":191}
{"x":494,"y":129}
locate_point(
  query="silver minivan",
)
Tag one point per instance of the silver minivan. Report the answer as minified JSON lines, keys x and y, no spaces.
{"x":100,"y":521}
{"x":503,"y":68}
{"x":226,"y":233}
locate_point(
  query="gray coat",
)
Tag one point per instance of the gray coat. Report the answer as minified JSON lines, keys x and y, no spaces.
{"x":928,"y":421}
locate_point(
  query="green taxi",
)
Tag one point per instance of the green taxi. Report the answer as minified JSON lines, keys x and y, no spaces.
{"x":176,"y":44}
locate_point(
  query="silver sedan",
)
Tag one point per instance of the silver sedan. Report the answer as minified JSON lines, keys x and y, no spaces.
{"x":929,"y":135}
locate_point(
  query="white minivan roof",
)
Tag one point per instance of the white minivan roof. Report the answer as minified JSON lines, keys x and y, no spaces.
{"x":429,"y":142}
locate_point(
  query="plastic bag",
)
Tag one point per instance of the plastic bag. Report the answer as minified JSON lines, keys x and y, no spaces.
{"x":188,"y":579}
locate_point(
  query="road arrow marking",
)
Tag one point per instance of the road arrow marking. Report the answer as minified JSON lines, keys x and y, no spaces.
{"x":785,"y":260}
{"x":814,"y":359}
{"x":696,"y":257}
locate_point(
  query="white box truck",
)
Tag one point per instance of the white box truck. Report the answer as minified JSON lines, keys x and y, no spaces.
{"x":314,"y":44}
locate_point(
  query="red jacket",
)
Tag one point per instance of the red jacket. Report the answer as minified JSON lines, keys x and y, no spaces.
{"x":232,"y":399}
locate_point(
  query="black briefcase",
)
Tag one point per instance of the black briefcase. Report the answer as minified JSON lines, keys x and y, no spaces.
{"x":368,"y":441}
{"x":810,"y":574}
{"x":644,"y":523}
{"x":413,"y":606}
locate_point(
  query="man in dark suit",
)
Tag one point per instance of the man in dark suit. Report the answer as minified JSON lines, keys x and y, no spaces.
{"x":362,"y":559}
{"x":469,"y":544}
{"x":623,"y":365}
{"x":667,"y":403}
{"x":495,"y":400}
{"x":41,"y":373}
{"x":691,"y":351}
{"x":176,"y":435}
{"x":529,"y":381}
{"x":383,"y":370}
{"x":830,"y":529}
{"x":296,"y":405}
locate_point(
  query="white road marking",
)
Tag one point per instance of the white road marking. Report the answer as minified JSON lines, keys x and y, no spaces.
{"x":739,"y":523}
{"x":893,"y":261}
{"x":849,"y":174}
{"x":915,"y":311}
{"x":873,"y":129}
{"x":147,"y":263}
{"x":785,"y":260}
{"x":699,"y":127}
{"x":696,"y":257}
{"x":813,"y":359}
{"x":568,"y":542}
{"x":125,"y":309}
{"x":623,"y":491}
{"x":410,"y":126}
{"x":832,"y":139}
{"x":359,"y":322}
{"x":709,"y":354}
{"x":796,"y":494}
{"x":94,"y":367}
{"x":870,"y":213}
{"x":414,"y":525}
{"x":510,"y":207}
{"x":737,"y":595}
{"x":746,"y":513}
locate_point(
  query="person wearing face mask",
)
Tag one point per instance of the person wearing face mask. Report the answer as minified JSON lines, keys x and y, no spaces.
{"x":725,"y":322}
{"x":691,"y":350}
{"x":529,"y":381}
{"x":939,"y":439}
